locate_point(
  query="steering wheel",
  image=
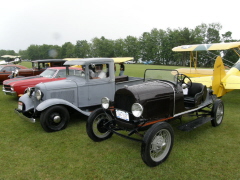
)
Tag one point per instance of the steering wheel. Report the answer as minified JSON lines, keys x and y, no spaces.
{"x":183,"y":79}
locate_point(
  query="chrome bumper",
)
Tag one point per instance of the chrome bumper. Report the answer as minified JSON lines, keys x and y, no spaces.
{"x":12,"y":93}
{"x":18,"y":112}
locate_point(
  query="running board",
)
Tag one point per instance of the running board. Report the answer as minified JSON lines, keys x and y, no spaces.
{"x":194,"y":124}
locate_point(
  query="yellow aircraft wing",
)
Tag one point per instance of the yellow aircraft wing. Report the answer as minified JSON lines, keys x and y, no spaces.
{"x":192,"y":72}
{"x":207,"y":47}
{"x":207,"y":80}
{"x":122,"y":59}
{"x":232,"y":82}
{"x":116,"y":59}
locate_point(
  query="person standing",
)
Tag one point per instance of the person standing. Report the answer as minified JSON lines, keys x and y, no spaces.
{"x":122,"y":69}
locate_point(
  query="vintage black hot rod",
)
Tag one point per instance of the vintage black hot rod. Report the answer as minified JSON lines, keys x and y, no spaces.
{"x":142,"y":112}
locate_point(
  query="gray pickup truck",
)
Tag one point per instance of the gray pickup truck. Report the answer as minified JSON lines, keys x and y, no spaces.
{"x":53,"y":102}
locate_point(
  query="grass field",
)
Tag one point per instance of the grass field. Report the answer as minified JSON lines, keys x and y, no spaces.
{"x":28,"y":152}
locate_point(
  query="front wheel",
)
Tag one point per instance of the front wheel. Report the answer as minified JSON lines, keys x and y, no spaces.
{"x":97,"y":124}
{"x":54,"y":118}
{"x":217,"y":112}
{"x":157,"y":144}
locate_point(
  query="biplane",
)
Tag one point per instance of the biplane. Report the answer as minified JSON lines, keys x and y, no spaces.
{"x":220,"y":80}
{"x":10,"y":59}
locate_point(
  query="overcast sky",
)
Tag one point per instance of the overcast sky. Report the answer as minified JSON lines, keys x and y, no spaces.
{"x":54,"y":22}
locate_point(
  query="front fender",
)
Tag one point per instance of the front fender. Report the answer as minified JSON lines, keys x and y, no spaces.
{"x":27,"y":101}
{"x":55,"y":101}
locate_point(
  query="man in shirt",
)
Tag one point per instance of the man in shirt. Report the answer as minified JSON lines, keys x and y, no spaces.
{"x":99,"y":73}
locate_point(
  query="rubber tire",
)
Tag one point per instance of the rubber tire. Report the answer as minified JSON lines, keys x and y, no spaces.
{"x":46,"y":119}
{"x":217,"y":112}
{"x":147,"y":143}
{"x":99,"y":133}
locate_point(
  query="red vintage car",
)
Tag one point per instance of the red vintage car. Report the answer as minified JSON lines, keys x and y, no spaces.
{"x":6,"y":70}
{"x":38,"y":66}
{"x":17,"y":86}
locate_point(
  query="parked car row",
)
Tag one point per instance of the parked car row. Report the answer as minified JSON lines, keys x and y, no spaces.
{"x":18,"y":86}
{"x":142,"y":107}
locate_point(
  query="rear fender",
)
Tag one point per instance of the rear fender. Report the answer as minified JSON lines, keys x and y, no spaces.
{"x":51,"y":102}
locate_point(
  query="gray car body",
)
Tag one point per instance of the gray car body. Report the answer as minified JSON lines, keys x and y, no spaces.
{"x":75,"y":92}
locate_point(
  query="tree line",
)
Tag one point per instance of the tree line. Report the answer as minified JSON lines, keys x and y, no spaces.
{"x":155,"y":45}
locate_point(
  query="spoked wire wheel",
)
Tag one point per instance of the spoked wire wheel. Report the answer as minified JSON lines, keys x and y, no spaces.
{"x":97,"y":125}
{"x":157,"y":144}
{"x":217,"y":112}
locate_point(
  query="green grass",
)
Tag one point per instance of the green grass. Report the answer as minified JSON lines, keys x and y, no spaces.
{"x":28,"y":152}
{"x":26,"y":63}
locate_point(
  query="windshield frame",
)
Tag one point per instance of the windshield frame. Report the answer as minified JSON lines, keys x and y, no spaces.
{"x":168,"y":75}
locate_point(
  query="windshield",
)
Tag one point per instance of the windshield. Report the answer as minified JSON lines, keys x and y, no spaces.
{"x":160,"y":74}
{"x":1,"y":67}
{"x":49,"y":73}
{"x":76,"y":72}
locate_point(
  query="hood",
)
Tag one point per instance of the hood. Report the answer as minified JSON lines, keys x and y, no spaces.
{"x":148,"y":90}
{"x":23,"y":79}
{"x":68,"y":83}
{"x":141,"y":93}
{"x":61,"y":84}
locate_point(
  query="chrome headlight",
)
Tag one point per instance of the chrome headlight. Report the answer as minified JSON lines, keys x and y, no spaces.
{"x":29,"y":91}
{"x":38,"y":95}
{"x":16,"y":72}
{"x":137,"y":109}
{"x":105,"y":103}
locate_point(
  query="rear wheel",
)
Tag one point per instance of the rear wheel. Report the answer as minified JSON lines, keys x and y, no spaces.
{"x":157,"y":144}
{"x":217,"y":112}
{"x":97,"y":124}
{"x":54,"y":118}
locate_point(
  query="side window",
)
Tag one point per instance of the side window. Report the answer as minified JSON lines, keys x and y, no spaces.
{"x":41,"y":65}
{"x":12,"y":68}
{"x":75,"y":72}
{"x":62,"y":73}
{"x":35,"y":65}
{"x":78,"y":73}
{"x":98,"y":71}
{"x":8,"y":68}
{"x":71,"y":72}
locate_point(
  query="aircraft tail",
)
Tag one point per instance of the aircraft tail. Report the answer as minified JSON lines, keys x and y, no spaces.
{"x":218,"y":74}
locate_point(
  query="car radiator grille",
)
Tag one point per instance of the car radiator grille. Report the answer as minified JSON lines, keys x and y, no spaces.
{"x":7,"y":88}
{"x":124,"y":102}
